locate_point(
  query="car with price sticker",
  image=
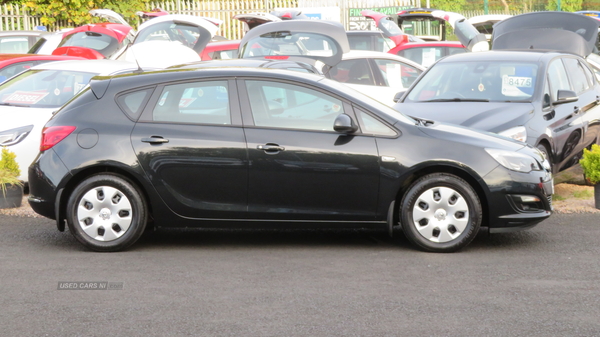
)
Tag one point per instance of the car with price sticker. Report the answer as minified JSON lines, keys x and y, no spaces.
{"x":534,"y":86}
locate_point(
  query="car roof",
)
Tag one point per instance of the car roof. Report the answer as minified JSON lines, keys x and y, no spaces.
{"x":223,"y":63}
{"x":220,"y":45}
{"x":502,"y":55}
{"x":354,"y":54}
{"x":101,"y":67}
{"x":488,"y":18}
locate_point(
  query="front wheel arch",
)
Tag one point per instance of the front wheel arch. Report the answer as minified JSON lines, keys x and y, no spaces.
{"x":468,"y":177}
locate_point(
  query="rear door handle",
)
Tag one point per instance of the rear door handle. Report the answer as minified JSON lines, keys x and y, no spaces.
{"x":155,"y":140}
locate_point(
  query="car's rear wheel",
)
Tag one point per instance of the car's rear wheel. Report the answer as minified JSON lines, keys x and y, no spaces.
{"x":106,"y":213}
{"x":440,"y":212}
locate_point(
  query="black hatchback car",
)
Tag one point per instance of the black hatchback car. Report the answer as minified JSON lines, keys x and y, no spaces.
{"x":219,"y":147}
{"x":534,"y":86}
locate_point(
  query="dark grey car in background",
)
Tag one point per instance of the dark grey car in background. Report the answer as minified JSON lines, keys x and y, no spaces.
{"x":548,"y":99}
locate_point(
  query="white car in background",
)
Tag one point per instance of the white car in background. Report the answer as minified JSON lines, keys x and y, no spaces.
{"x":28,"y":101}
{"x":485,"y":23}
{"x":325,"y":46}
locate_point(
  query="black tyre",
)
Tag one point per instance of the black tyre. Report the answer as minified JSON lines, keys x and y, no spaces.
{"x":106,"y":213}
{"x":440,"y":213}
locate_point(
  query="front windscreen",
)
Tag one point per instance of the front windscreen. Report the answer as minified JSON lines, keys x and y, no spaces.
{"x":104,"y":44}
{"x":492,"y":81}
{"x":290,"y":44}
{"x":43,"y":88}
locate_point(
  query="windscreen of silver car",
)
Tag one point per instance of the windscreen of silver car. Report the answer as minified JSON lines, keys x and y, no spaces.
{"x":476,"y":81}
{"x":43,"y":88}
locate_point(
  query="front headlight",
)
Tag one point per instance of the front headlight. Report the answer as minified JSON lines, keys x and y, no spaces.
{"x":515,"y":161}
{"x":518,"y":132}
{"x":14,"y":136}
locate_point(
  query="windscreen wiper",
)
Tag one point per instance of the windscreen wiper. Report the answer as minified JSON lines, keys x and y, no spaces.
{"x":13,"y":104}
{"x":457,"y":99}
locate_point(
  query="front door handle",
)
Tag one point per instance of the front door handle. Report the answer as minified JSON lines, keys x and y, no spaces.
{"x":270,"y":147}
{"x":155,"y":140}
{"x":576,"y":110}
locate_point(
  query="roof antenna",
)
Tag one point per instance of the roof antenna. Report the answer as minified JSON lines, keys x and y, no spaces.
{"x":139,"y":69}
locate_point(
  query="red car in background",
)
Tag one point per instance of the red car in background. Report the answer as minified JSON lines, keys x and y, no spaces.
{"x":220,"y":50}
{"x":426,"y":53}
{"x":96,"y":41}
{"x":13,"y":64}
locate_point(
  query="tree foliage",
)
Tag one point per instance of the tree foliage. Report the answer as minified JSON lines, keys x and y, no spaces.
{"x":76,"y":11}
{"x":590,"y":163}
{"x":448,"y":5}
{"x":565,"y":5}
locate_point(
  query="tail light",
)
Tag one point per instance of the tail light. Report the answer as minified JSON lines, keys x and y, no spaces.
{"x":54,"y":135}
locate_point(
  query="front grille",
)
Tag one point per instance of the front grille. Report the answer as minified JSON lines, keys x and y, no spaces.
{"x":549,"y":197}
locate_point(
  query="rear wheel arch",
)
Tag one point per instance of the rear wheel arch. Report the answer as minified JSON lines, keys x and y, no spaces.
{"x":110,"y":170}
{"x":461,"y":173}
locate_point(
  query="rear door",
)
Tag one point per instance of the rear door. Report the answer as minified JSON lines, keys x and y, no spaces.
{"x":301,"y":169}
{"x":190,"y":143}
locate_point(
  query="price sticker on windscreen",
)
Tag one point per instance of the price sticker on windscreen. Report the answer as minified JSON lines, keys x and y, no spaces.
{"x":511,"y":85}
{"x":25,"y":97}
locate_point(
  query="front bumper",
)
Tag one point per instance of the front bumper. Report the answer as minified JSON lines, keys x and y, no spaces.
{"x":518,"y":201}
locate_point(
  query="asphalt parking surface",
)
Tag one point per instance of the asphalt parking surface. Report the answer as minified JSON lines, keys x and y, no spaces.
{"x":541,"y":282}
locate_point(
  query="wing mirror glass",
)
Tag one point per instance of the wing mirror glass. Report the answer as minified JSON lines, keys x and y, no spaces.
{"x":566,"y":96}
{"x":344,"y":123}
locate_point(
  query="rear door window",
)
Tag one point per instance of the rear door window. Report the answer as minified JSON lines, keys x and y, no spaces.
{"x":205,"y":102}
{"x":579,"y":81}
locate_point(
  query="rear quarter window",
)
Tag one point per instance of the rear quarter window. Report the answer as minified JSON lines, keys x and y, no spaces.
{"x":132,"y":103}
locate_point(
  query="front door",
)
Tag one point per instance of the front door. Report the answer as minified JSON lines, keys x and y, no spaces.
{"x":300,"y":169}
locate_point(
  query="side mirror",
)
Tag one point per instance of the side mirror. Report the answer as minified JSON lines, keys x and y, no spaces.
{"x":398,"y":96}
{"x":344,"y":123}
{"x":566,"y":96}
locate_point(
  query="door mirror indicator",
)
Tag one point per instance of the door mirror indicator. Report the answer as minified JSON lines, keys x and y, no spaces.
{"x":344,"y":123}
{"x":566,"y":96}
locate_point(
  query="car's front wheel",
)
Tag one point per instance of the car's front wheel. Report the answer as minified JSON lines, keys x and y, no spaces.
{"x":106,"y":213}
{"x":440,"y":212}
